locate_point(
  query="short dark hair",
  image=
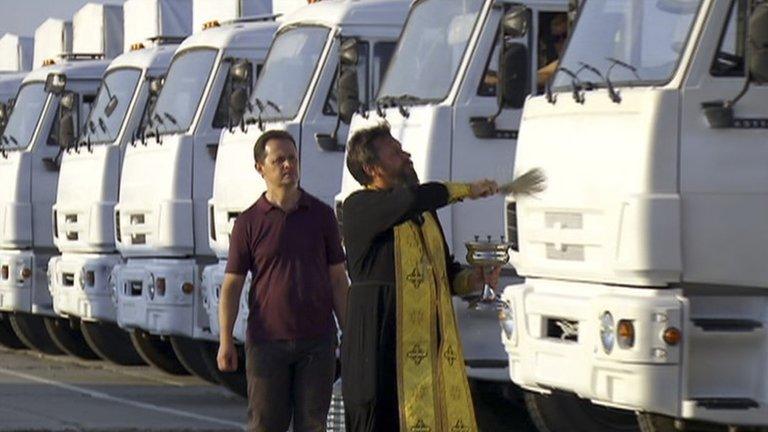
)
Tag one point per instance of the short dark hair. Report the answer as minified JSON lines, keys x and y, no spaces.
{"x":362,"y":152}
{"x":260,"y":148}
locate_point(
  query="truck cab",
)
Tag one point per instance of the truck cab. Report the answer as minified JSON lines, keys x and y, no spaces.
{"x":161,"y":223}
{"x":645,"y":288}
{"x":49,"y":110}
{"x":443,"y":101}
{"x":323,"y":53}
{"x":83,"y":215}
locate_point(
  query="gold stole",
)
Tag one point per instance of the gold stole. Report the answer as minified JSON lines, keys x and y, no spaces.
{"x":431,"y":380}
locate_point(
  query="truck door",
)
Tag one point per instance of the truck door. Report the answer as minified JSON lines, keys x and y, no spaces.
{"x":475,"y":157}
{"x":724,"y":171}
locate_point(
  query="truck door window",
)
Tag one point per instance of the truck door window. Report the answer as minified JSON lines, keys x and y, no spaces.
{"x":553,"y":33}
{"x":729,"y":58}
{"x":490,"y":76}
{"x":221,"y":117}
{"x":382,"y":54}
{"x":331,"y":101}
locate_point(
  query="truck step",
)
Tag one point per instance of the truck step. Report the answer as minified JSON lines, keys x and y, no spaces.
{"x":727,"y":324}
{"x":723,"y":403}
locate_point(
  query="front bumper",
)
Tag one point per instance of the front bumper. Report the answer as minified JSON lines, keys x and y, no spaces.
{"x":24,"y":282}
{"x":143,"y":303}
{"x":213,"y":278}
{"x":553,"y":339}
{"x":80,"y":286}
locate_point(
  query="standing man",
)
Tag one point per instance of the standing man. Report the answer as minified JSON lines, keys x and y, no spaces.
{"x":289,"y":242}
{"x":402,"y":363}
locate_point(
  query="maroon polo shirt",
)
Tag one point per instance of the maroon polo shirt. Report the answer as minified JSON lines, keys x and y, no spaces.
{"x":288,"y":255}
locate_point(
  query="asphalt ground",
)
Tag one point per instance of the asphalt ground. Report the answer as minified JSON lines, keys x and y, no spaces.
{"x":61,"y":393}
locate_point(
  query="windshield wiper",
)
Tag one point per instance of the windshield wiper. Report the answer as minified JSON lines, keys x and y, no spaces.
{"x":616,"y":62}
{"x":612,"y":93}
{"x":575,"y":84}
{"x":401,"y":101}
{"x":171,"y":118}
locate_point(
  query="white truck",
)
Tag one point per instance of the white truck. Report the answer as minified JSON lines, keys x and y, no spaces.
{"x":15,"y":57}
{"x":50,"y":107}
{"x":644,"y":259}
{"x":161,"y":223}
{"x":442,"y":100}
{"x":87,"y":193}
{"x":318,"y":46}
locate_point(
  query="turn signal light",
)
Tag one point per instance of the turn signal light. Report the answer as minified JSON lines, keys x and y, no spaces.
{"x":626,"y":334}
{"x":187,"y":288}
{"x":26,"y":273}
{"x":672,"y":336}
{"x":5,"y":272}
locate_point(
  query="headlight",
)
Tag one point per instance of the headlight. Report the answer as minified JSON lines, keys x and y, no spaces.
{"x":607,"y":332}
{"x":626,"y":334}
{"x":507,"y":321}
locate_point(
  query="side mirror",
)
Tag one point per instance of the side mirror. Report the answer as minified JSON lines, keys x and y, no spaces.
{"x":111,"y":106}
{"x":240,"y":71}
{"x":155,"y":85}
{"x":348,"y":94}
{"x":67,"y":132}
{"x":516,"y":22}
{"x":758,"y":40}
{"x":55,"y":83}
{"x":513,"y":76}
{"x":238,"y":101}
{"x":348,"y":53}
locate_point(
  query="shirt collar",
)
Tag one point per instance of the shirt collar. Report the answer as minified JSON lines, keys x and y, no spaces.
{"x":264,"y":206}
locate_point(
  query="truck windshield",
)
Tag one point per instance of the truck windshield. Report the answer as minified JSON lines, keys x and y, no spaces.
{"x":183,"y":90}
{"x":25,"y":117}
{"x":641,"y":41}
{"x":430,"y":50}
{"x":119,"y":85}
{"x":287,"y":73}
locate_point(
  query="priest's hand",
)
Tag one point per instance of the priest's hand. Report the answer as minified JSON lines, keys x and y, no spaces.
{"x":227,"y":357}
{"x":483,"y":188}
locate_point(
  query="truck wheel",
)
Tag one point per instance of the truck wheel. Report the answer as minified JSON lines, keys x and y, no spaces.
{"x":8,"y":337}
{"x":655,"y":423}
{"x":232,"y":381}
{"x":67,"y":336}
{"x":157,"y":352}
{"x":563,"y":412}
{"x":659,"y":423}
{"x":190,"y":355}
{"x":111,"y":343}
{"x":31,"y":331}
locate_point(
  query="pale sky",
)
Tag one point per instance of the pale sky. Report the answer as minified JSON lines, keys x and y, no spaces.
{"x":22,"y":17}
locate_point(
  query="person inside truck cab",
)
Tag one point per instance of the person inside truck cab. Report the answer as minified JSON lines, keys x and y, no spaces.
{"x":551,"y":45}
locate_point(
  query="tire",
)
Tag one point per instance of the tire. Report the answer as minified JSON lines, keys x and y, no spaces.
{"x":232,"y":381}
{"x":67,"y":336}
{"x":157,"y":352}
{"x":111,"y":343}
{"x":563,"y":412}
{"x":499,"y":406}
{"x":659,"y":423}
{"x":32,"y":332}
{"x":8,"y":337}
{"x":189,"y":353}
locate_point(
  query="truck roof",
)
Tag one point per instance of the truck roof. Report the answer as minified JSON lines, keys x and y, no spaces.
{"x":248,"y":35}
{"x":350,"y":12}
{"x":145,"y":58}
{"x":82,"y":69}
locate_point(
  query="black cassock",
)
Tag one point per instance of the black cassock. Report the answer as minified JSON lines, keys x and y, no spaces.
{"x":369,"y":347}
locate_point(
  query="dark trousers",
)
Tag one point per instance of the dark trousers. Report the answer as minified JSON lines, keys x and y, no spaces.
{"x":287,"y":379}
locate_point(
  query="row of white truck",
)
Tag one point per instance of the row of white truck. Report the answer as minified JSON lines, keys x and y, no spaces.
{"x":636,"y":292}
